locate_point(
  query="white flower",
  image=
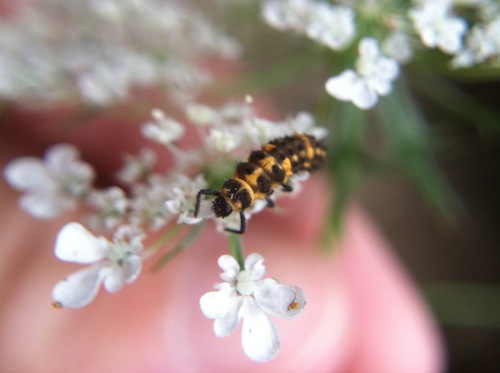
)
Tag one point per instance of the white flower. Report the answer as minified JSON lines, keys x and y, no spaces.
{"x":332,"y":25}
{"x":224,"y":141}
{"x":53,"y":184}
{"x":327,"y":24}
{"x":200,"y":114}
{"x":111,"y":205}
{"x":245,"y":295}
{"x":482,"y":43}
{"x":136,"y":168}
{"x":397,"y":46}
{"x":112,"y":264}
{"x":182,"y":198}
{"x":163,"y":130}
{"x":147,"y":205}
{"x":437,"y":27}
{"x":373,"y":77}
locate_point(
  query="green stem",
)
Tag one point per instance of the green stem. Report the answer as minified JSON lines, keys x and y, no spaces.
{"x":236,"y":249}
{"x":180,"y":246}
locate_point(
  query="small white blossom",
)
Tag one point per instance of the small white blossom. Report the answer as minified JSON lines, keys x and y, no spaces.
{"x":397,"y":46}
{"x":182,"y":198}
{"x":327,"y":24}
{"x":136,"y":168}
{"x":147,"y":204}
{"x":332,"y":25}
{"x":53,"y":184}
{"x":201,"y":115}
{"x":111,"y":264}
{"x":373,"y":77}
{"x":246,"y":295}
{"x":224,"y":141}
{"x":163,"y":129}
{"x":482,"y":43}
{"x":111,"y":205}
{"x":437,"y":27}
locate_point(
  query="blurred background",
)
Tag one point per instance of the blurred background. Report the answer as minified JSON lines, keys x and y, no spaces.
{"x":457,"y":266}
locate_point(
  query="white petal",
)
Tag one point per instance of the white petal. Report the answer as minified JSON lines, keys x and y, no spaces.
{"x":43,"y":205}
{"x":113,"y":277}
{"x":368,"y":48}
{"x":28,"y":173}
{"x":230,"y":267}
{"x":364,"y":97}
{"x":340,"y":86}
{"x":131,"y":267}
{"x":254,"y":265}
{"x":57,"y":156}
{"x":226,"y":325}
{"x":388,"y":68}
{"x":173,"y":206}
{"x":280,"y":300}
{"x":259,"y":337}
{"x":216,"y":304}
{"x":78,"y":289}
{"x":74,"y":243}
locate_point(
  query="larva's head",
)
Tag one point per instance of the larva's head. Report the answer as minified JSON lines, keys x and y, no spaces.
{"x":221,"y":208}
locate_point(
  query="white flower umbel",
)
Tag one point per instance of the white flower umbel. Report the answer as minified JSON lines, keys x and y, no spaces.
{"x":373,"y":77}
{"x":245,"y":295}
{"x":437,"y":26}
{"x":99,"y":52}
{"x":53,"y":184}
{"x":112,"y":264}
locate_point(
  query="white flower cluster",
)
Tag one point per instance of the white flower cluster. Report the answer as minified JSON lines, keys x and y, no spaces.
{"x":145,"y":200}
{"x":148,"y":201}
{"x":438,"y":23}
{"x":54,"y":51}
{"x":246,"y":295}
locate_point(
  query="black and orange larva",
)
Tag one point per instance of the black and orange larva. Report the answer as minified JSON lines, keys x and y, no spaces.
{"x":265,"y":170}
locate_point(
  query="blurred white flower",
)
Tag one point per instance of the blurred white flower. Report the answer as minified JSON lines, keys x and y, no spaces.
{"x":163,"y":129}
{"x":97,"y":52}
{"x":224,"y":141}
{"x":111,"y":207}
{"x":245,"y":295}
{"x":147,"y":203}
{"x":436,"y":25}
{"x":373,"y":77}
{"x":397,"y":46}
{"x":327,"y":24}
{"x":182,"y":198}
{"x":482,"y":44}
{"x":136,"y":168}
{"x":111,"y":264}
{"x":53,"y":184}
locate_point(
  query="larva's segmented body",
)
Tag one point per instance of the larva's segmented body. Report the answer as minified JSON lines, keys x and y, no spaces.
{"x":264,"y":171}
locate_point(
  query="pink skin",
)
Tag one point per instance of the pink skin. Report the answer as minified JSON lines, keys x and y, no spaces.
{"x":362,"y":313}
